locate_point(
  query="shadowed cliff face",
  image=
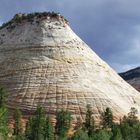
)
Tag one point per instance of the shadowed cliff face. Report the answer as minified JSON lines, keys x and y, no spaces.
{"x":42,"y":61}
{"x":132,"y":77}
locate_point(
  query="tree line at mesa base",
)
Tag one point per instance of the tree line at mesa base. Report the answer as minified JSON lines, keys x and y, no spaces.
{"x":40,"y":127}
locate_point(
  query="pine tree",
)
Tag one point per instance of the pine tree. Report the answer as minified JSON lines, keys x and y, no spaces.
{"x":18,"y":131}
{"x":79,"y":124}
{"x":3,"y":97}
{"x":17,"y":122}
{"x":34,"y":128}
{"x":80,"y":135}
{"x":3,"y":114}
{"x":127,"y":131}
{"x":48,"y":129}
{"x":116,"y":134}
{"x":130,"y":126}
{"x":136,"y":128}
{"x":3,"y":123}
{"x":107,"y":118}
{"x":38,"y":123}
{"x":132,"y":119}
{"x":102,"y":135}
{"x":89,"y":121}
{"x":63,"y":119}
{"x":133,"y":112}
{"x":29,"y":129}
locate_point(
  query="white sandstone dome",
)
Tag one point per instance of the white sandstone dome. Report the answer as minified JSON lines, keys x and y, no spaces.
{"x":42,"y":61}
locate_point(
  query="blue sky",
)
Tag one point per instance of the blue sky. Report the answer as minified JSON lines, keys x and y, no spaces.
{"x":110,"y":27}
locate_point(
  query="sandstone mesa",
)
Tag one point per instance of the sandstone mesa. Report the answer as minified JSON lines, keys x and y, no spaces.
{"x":42,"y":61}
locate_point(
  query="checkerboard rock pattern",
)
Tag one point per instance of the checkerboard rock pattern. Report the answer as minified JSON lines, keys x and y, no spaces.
{"x":44,"y":62}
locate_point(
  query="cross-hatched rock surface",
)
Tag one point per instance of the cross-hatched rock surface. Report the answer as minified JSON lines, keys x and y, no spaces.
{"x":42,"y":61}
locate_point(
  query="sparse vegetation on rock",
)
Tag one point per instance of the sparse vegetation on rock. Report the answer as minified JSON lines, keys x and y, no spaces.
{"x":18,"y":18}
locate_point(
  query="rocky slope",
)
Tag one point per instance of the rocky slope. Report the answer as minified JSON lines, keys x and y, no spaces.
{"x":132,"y":77}
{"x":42,"y":61}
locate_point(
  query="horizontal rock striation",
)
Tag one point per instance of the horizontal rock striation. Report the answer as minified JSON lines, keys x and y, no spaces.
{"x":45,"y":62}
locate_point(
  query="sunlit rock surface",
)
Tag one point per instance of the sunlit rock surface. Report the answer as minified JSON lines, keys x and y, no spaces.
{"x":42,"y":61}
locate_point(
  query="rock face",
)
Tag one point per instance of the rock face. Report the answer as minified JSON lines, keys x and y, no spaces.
{"x":42,"y":61}
{"x":132,"y":77}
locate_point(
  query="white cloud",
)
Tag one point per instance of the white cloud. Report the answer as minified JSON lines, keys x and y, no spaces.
{"x":0,"y":23}
{"x":123,"y":67}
